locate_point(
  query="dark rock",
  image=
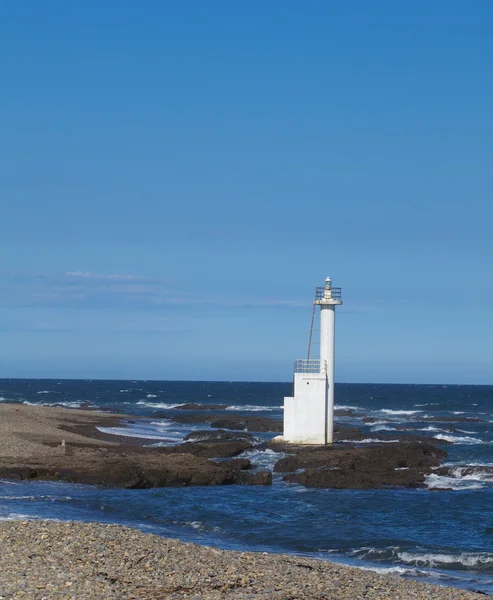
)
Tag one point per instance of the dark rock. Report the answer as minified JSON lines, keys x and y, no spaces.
{"x":348,"y":433}
{"x":258,"y":478}
{"x":208,"y":450}
{"x":248,"y":423}
{"x":208,"y":435}
{"x":236,"y":464}
{"x":130,"y":472}
{"x":347,"y":413}
{"x":374,"y":420}
{"x":404,"y":464}
{"x":200,"y":417}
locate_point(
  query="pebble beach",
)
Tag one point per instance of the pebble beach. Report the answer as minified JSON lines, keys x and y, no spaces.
{"x":47,"y":560}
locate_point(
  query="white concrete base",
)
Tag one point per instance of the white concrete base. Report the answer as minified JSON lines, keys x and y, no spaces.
{"x":305,"y":413}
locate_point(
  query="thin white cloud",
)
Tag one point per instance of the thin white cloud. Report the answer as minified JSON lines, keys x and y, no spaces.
{"x":107,"y":277}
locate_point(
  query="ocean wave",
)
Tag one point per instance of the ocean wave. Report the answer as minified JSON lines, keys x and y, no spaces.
{"x":370,"y":441}
{"x":132,"y":434}
{"x":253,"y":408}
{"x":397,"y":571}
{"x":376,"y":427}
{"x":458,"y":440}
{"x":426,"y":559}
{"x":389,"y":411}
{"x":158,"y":404}
{"x":347,"y":407}
{"x":471,"y":560}
{"x":151,"y":396}
{"x":442,"y":482}
{"x":265,"y":459}
{"x":428,"y":404}
{"x":59,"y":404}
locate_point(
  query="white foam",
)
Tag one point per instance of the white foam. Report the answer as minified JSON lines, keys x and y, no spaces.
{"x":347,"y":407}
{"x":458,"y":440}
{"x":370,"y":441}
{"x":389,"y":411}
{"x":47,"y":392}
{"x":458,"y":412}
{"x":264,"y":459}
{"x":66,"y":404}
{"x":158,"y":404}
{"x":397,"y":571}
{"x":382,"y":428}
{"x":430,"y":428}
{"x":431,"y":559}
{"x":440,"y":482}
{"x":151,"y":396}
{"x":132,"y":433}
{"x":252,"y":408}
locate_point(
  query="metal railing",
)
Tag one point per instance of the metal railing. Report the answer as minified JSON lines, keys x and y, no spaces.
{"x":334,"y":293}
{"x":311,"y":365}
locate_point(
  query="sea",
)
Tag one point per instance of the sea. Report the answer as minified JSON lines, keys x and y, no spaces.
{"x":441,"y":534}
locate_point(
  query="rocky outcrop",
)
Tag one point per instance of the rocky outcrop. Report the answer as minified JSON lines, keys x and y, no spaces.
{"x":236,"y":464}
{"x":130,"y":468}
{"x":404,"y":464}
{"x":209,"y":435}
{"x":258,"y":478}
{"x":234,"y":422}
{"x":130,"y":472}
{"x":338,"y":412}
{"x":208,"y":450}
{"x":249,"y":423}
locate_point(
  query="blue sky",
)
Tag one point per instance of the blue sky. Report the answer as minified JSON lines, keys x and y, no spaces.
{"x":176,"y":178}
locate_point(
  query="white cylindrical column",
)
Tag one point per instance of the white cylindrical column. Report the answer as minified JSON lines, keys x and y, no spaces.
{"x":327,"y":354}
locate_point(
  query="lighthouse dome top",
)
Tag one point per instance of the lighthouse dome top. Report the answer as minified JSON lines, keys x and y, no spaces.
{"x":328,"y":294}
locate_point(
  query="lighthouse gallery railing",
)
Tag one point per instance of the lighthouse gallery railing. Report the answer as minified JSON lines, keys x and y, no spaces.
{"x":311,"y":365}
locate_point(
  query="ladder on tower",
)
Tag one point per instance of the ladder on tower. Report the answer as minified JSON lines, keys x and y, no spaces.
{"x":311,"y":332}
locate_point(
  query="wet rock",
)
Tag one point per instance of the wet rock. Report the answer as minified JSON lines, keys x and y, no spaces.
{"x":375,"y":420}
{"x":404,"y":464}
{"x":236,"y":464}
{"x":130,"y":472}
{"x":348,"y":433}
{"x":258,"y":478}
{"x":186,"y":419}
{"x":248,"y":423}
{"x":347,"y":413}
{"x":208,"y":450}
{"x":207,"y":435}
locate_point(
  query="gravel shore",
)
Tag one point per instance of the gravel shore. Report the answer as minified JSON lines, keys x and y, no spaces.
{"x":27,"y":431}
{"x":45,"y":560}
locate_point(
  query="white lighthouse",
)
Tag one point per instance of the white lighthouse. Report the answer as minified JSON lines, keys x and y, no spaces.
{"x":309,"y":413}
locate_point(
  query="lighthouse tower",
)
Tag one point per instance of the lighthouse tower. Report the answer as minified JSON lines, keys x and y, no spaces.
{"x":309,"y":413}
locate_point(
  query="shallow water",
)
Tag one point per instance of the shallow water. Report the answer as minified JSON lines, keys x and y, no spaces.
{"x":429,"y":534}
